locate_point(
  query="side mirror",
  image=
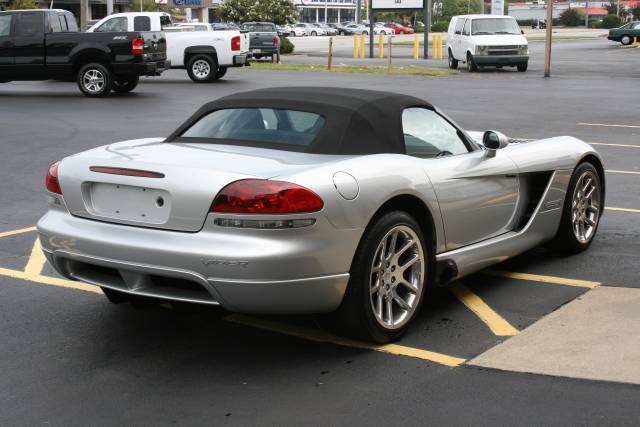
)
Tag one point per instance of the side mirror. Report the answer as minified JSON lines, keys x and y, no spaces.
{"x":494,"y":140}
{"x":521,"y":31}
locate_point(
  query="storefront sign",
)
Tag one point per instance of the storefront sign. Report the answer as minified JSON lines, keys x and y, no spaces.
{"x":398,"y":4}
{"x":497,"y":7}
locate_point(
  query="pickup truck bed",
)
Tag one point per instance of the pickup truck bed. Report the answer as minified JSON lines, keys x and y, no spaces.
{"x":45,"y":44}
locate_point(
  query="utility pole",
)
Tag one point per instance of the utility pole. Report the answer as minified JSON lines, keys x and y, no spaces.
{"x":547,"y":45}
{"x":586,"y":14}
{"x":358,"y":7}
{"x":481,"y":7}
{"x":109,"y":7}
{"x":426,"y":19}
{"x":84,"y":14}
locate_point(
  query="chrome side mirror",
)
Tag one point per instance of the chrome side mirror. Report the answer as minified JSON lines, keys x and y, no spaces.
{"x":494,"y":140}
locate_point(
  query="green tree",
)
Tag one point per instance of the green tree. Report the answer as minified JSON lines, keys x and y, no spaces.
{"x":23,"y":4}
{"x":611,"y":21}
{"x":635,"y":12}
{"x":572,"y":18}
{"x":279,"y":12}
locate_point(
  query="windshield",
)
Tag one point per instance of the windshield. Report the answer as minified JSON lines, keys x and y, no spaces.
{"x":494,"y":26}
{"x":263,"y":125}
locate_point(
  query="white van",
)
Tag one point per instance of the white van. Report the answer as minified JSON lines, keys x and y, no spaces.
{"x":487,"y":40}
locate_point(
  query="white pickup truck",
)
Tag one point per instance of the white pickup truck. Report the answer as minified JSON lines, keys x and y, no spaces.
{"x":205,"y":55}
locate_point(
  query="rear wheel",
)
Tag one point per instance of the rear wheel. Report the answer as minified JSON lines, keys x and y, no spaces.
{"x":581,"y":212}
{"x":313,"y":33}
{"x":523,"y":67}
{"x":202,"y":68}
{"x":123,"y":85}
{"x":626,"y":40}
{"x":387,"y":280}
{"x":95,"y":80}
{"x":453,"y":62}
{"x":471,"y":66}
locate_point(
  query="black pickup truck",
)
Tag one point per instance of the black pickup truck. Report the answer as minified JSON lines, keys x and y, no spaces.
{"x":46,"y":44}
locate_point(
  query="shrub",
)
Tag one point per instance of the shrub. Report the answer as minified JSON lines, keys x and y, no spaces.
{"x":611,"y":21}
{"x":286,"y":46}
{"x":23,"y":4}
{"x":440,"y":26}
{"x":572,"y":18}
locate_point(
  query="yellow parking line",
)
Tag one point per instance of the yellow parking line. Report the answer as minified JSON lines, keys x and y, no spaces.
{"x":544,"y":279}
{"x":608,"y":125}
{"x":622,"y":209}
{"x":498,"y":325}
{"x":14,"y":232}
{"x":624,"y":172}
{"x":52,"y":281}
{"x":320,"y":336}
{"x":36,"y":260}
{"x":614,"y":145}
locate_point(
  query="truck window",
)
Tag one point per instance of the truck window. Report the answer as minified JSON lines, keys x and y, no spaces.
{"x":72,"y":25}
{"x":459,"y":24}
{"x":113,"y":25}
{"x":5,"y":25}
{"x":467,"y":27}
{"x":30,"y":24}
{"x":165,"y":21}
{"x":63,"y":23}
{"x":141,"y":23}
{"x":54,"y":23}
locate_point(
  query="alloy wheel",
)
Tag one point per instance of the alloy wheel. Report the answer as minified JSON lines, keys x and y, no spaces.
{"x":201,"y":69}
{"x":585,"y":206}
{"x":93,"y":80}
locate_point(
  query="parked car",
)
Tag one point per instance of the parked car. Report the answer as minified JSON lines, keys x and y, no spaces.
{"x":205,"y":55}
{"x":626,"y":33}
{"x":539,"y":24}
{"x":283,"y":31}
{"x":328,"y":29}
{"x":399,"y":28}
{"x":382,"y":28}
{"x":45,"y":44}
{"x":311,"y":29}
{"x":299,"y":30}
{"x":264,"y":40}
{"x":204,"y":26}
{"x":486,"y":40}
{"x":346,"y":28}
{"x":314,"y":200}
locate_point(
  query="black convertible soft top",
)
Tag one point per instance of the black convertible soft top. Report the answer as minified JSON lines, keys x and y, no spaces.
{"x":356,"y":121}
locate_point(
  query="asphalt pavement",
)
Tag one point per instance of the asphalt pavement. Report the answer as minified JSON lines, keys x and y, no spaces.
{"x":68,"y":357}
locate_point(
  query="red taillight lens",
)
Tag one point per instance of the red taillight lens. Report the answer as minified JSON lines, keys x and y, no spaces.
{"x":235,"y":43}
{"x":261,"y":196}
{"x":137,"y":47}
{"x":276,"y":41}
{"x":52,"y":182}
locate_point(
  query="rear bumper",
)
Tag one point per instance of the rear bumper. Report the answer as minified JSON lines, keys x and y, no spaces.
{"x":245,"y":272}
{"x":505,"y":60}
{"x":151,"y":68}
{"x":241,"y":60}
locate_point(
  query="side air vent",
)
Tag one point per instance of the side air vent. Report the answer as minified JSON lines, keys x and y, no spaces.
{"x":537,"y":182}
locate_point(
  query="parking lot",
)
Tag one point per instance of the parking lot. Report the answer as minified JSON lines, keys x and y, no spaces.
{"x":482,"y":351}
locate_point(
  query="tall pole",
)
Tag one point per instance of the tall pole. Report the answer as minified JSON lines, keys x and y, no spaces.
{"x":358,"y":7}
{"x":109,"y":7}
{"x":425,"y":19}
{"x":586,"y":14}
{"x":84,"y":14}
{"x":482,"y":7}
{"x":371,"y":15}
{"x":547,"y":46}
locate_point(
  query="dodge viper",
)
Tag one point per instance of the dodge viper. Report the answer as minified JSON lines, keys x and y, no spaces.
{"x":314,"y":200}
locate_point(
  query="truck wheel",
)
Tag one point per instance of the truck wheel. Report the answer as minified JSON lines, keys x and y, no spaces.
{"x":123,"y":85}
{"x":202,"y":68}
{"x":95,"y":80}
{"x":453,"y":62}
{"x":220,"y":73}
{"x":625,"y":40}
{"x":523,"y":67}
{"x":471,"y":66}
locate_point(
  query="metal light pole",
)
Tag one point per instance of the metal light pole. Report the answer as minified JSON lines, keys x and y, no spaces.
{"x":358,"y":6}
{"x":586,"y":14}
{"x":426,"y":20}
{"x":547,"y":47}
{"x":84,"y":14}
{"x":482,"y":7}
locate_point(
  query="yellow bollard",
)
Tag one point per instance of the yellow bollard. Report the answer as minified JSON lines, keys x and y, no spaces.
{"x":381,"y":45}
{"x":416,"y":47}
{"x":440,"y":46}
{"x":361,"y":46}
{"x":356,"y":54}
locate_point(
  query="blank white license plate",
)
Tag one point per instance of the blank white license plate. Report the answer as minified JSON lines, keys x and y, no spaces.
{"x":130,"y":203}
{"x":257,"y":51}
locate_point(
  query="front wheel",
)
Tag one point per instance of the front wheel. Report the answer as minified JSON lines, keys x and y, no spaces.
{"x":202,"y":68}
{"x":453,"y":62}
{"x":625,"y":40}
{"x":313,"y":33}
{"x":471,"y":66}
{"x":583,"y":206}
{"x":95,"y":80}
{"x":366,"y":33}
{"x":523,"y":67}
{"x":124,"y":85}
{"x":387,"y":281}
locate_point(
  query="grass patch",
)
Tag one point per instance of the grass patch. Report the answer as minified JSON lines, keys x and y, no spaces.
{"x":365,"y":69}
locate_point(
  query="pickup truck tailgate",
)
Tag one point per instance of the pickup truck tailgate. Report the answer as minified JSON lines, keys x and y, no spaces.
{"x":155,"y":46}
{"x":263,"y":40}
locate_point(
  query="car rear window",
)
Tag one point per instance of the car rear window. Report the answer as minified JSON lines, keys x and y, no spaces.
{"x":260,"y":28}
{"x":258,"y":126}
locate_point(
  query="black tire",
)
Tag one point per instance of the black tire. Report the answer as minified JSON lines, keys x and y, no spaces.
{"x":341,"y":33}
{"x":453,"y":62}
{"x":94,"y":80}
{"x":366,"y":33}
{"x":123,"y":85}
{"x":626,"y":40}
{"x":220,"y":73}
{"x":356,"y":314}
{"x":523,"y":67}
{"x":202,"y":68}
{"x":471,"y":66}
{"x":313,"y":33}
{"x":115,"y":297}
{"x":566,"y":239}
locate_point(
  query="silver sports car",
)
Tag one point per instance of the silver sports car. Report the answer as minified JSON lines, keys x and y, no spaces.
{"x":314,"y":200}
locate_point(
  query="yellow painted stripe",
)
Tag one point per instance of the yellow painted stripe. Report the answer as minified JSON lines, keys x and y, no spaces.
{"x":622,"y":209}
{"x":51,"y":281}
{"x":18,"y":231}
{"x":609,"y":125}
{"x":498,"y":325}
{"x":624,"y":172}
{"x":36,"y":260}
{"x":615,"y":145}
{"x":320,"y":336}
{"x":544,"y":279}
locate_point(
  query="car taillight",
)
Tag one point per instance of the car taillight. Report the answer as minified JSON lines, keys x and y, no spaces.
{"x":261,"y":196}
{"x":276,"y":41}
{"x":137,"y":47}
{"x":52,"y":182}
{"x":235,"y":43}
